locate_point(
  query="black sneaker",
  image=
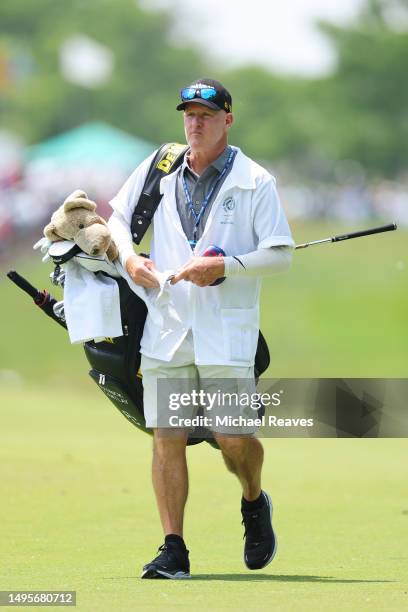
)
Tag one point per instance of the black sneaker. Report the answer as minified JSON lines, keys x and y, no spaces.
{"x":172,"y":562}
{"x":260,"y":540}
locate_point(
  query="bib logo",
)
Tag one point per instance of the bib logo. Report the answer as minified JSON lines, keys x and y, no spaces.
{"x":228,"y":205}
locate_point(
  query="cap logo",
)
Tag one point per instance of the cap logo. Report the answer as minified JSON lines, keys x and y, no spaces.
{"x":199,"y":85}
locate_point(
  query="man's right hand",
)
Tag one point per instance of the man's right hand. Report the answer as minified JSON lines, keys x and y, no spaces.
{"x":141,"y":270}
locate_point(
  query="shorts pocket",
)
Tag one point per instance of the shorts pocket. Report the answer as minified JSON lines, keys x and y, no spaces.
{"x":240,"y":331}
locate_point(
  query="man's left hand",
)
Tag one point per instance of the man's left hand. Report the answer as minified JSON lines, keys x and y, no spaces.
{"x":201,"y":271}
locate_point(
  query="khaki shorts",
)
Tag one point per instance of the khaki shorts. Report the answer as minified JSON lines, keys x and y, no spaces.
{"x":174,"y":394}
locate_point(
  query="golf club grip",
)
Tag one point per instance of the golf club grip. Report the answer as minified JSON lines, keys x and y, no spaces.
{"x":374,"y":230}
{"x":21,"y":282}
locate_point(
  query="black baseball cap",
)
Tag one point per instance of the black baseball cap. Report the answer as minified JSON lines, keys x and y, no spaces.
{"x":209,"y":92}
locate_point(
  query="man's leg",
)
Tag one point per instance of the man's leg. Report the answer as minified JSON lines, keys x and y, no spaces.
{"x":169,"y":466}
{"x":243,"y":457}
{"x":170,"y":478}
{"x":170,"y":482}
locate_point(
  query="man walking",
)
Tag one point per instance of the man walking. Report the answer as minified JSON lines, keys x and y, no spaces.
{"x":218,"y":197}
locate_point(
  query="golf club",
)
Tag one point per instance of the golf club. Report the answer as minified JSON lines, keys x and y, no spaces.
{"x":42,"y":299}
{"x":374,"y":230}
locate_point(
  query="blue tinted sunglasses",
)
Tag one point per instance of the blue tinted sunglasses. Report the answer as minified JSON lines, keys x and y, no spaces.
{"x":206,"y":93}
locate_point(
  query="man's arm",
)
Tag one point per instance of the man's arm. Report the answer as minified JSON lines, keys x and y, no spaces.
{"x":140,"y":269}
{"x":203,"y":271}
{"x":262,"y":262}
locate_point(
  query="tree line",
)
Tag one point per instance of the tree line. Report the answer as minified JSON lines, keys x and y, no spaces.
{"x":358,"y":112}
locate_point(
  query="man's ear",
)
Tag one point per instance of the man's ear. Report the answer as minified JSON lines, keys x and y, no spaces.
{"x":49,"y":232}
{"x":78,"y":199}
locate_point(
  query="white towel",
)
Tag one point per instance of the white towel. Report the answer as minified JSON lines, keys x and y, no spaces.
{"x":157,"y":300}
{"x":91,"y":303}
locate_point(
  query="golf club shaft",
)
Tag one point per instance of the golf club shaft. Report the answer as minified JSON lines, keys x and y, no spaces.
{"x":374,"y":230}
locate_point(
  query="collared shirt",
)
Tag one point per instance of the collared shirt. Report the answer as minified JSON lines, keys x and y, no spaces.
{"x":198,"y":187}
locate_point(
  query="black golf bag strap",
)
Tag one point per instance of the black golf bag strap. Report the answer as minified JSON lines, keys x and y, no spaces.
{"x":167,"y":159}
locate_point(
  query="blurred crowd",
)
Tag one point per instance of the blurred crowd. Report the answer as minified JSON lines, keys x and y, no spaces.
{"x":28,"y":198}
{"x":381,"y":199}
{"x":31,"y":191}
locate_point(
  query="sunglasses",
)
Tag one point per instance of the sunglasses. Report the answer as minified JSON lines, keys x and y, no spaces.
{"x":206,"y":93}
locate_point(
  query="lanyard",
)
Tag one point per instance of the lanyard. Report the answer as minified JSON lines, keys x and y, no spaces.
{"x":204,"y":204}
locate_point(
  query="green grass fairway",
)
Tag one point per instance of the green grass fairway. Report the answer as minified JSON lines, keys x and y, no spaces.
{"x":78,"y":513}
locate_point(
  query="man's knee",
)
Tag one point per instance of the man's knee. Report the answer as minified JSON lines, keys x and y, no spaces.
{"x":233,"y":447}
{"x":168,"y":443}
{"x":237,"y":448}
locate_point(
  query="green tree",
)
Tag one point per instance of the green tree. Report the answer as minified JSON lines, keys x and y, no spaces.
{"x":365,"y":102}
{"x":142,"y":92}
{"x":358,"y":112}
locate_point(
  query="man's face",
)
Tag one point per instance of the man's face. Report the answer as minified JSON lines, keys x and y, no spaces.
{"x":205,"y":128}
